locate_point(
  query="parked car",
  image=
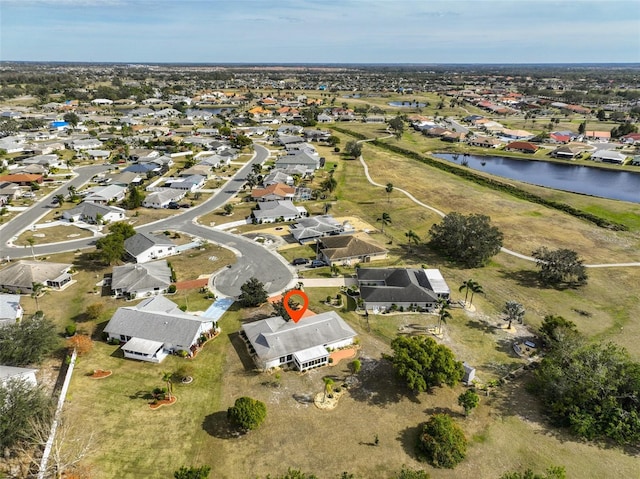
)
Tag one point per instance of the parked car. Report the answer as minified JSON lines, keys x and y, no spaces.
{"x":299,"y":261}
{"x":317,"y":263}
{"x":185,"y":205}
{"x":173,"y":205}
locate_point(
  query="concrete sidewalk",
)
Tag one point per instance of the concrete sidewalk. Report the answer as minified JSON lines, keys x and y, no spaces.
{"x":327,"y":282}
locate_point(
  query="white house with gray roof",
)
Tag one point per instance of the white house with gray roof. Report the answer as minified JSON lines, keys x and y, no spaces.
{"x":162,"y":197}
{"x":140,"y":280}
{"x":10,"y":309}
{"x":281,"y":210}
{"x":20,"y":276}
{"x":155,"y":328}
{"x":92,"y":212}
{"x":105,"y":194}
{"x":145,"y":247}
{"x":274,"y":342}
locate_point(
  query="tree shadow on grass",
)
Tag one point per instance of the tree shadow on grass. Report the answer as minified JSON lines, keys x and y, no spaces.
{"x":378,"y":385}
{"x":524,"y":277}
{"x":241,"y":350}
{"x":443,"y":410}
{"x":145,"y":395}
{"x":90,"y":261}
{"x":482,"y":326}
{"x":218,"y":425}
{"x":409,"y":438}
{"x":505,"y":345}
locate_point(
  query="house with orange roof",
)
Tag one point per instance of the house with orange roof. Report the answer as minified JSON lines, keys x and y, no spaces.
{"x":22,"y":179}
{"x":598,"y":135}
{"x":277,"y":191}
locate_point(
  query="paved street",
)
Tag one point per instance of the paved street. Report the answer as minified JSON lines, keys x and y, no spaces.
{"x":253,"y":258}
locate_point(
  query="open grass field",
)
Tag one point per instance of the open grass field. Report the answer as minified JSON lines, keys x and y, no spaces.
{"x":53,"y":234}
{"x":507,"y":431}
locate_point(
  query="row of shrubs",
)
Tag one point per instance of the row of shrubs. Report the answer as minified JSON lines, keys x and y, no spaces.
{"x":469,"y":175}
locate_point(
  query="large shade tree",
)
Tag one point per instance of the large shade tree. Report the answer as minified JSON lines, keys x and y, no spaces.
{"x":422,"y":363}
{"x":247,"y":413}
{"x":560,"y":267}
{"x":442,"y":442}
{"x":253,"y":293}
{"x":470,"y":240}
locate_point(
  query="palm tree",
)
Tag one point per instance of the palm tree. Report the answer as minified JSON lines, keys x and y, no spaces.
{"x":59,"y":198}
{"x":36,"y":289}
{"x":328,"y":383}
{"x":31,"y":240}
{"x":166,"y":377}
{"x":475,"y":289}
{"x":72,"y":192}
{"x":389,"y":189}
{"x":384,"y":220}
{"x":466,"y":285}
{"x":514,"y":312}
{"x":326,"y":207}
{"x":335,"y":270}
{"x":443,"y":314}
{"x":412,"y":237}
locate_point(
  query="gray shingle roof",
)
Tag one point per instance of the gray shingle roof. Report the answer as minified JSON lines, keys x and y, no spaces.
{"x":399,"y":285}
{"x":24,"y":273}
{"x":141,"y":277}
{"x":141,"y":242}
{"x":275,"y":337}
{"x":156,"y":319}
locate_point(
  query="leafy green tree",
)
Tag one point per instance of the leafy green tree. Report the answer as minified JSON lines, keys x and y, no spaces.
{"x":333,"y":140}
{"x":228,"y":208}
{"x":27,"y":342}
{"x":560,"y":267}
{"x":134,"y":199}
{"x":556,"y":330}
{"x":72,"y":119}
{"x":247,"y":413}
{"x":111,"y":246}
{"x":184,"y":472}
{"x":470,"y":240}
{"x":397,"y":126}
{"x":253,"y":293}
{"x":411,"y":474}
{"x":422,"y":363}
{"x":592,"y":389}
{"x":353,"y":149}
{"x":514,"y":311}
{"x":355,"y":365}
{"x":328,"y":387}
{"x":555,"y":472}
{"x":442,"y":442}
{"x":21,"y":403}
{"x":384,"y":220}
{"x":582,"y":128}
{"x":468,"y":400}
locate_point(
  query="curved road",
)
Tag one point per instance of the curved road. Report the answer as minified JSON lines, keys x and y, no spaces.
{"x":253,"y":259}
{"x":442,"y":215}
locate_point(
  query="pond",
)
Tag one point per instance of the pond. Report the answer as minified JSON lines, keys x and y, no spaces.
{"x":604,"y":183}
{"x":407,"y":104}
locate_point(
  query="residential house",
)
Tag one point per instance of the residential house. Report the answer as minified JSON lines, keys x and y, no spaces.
{"x":20,"y":276}
{"x":10,"y":309}
{"x":22,"y":179}
{"x":278,"y":176}
{"x":567,"y":152}
{"x":273,"y":211}
{"x":522,"y":146}
{"x":189,"y":183}
{"x":155,"y":328}
{"x":144,"y":247}
{"x":274,"y":342}
{"x":310,"y":163}
{"x":212,"y":160}
{"x":126,"y":179}
{"x":603,"y":136}
{"x":385,"y":289}
{"x":162,"y":197}
{"x":609,"y":156}
{"x":306,"y":230}
{"x":9,"y":192}
{"x":105,"y":194}
{"x":47,"y":161}
{"x":278,"y":191}
{"x":11,"y":373}
{"x":94,"y":213}
{"x":349,"y":249}
{"x":485,"y":142}
{"x":87,"y":144}
{"x":139,"y":280}
{"x":200,"y":169}
{"x":631,"y":139}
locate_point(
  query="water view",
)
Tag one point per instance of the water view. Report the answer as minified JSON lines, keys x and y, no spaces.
{"x":615,"y":185}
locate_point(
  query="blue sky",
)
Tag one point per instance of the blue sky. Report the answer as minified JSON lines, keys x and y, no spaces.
{"x":321,"y":31}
